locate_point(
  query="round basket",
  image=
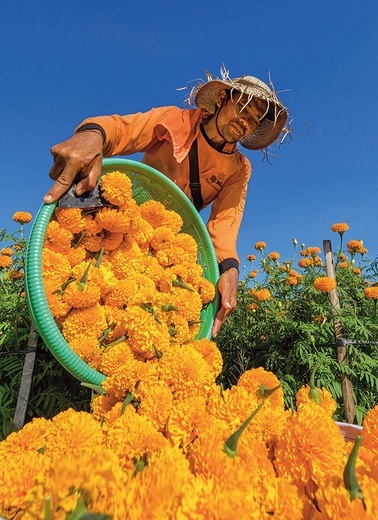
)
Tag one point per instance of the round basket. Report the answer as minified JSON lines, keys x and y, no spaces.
{"x":147,"y":184}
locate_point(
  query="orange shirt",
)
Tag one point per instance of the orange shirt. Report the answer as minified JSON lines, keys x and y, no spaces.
{"x":165,"y":136}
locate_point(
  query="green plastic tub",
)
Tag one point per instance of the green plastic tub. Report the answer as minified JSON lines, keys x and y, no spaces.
{"x":148,"y":184}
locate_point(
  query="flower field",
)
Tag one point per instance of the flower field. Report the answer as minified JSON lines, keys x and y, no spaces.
{"x":182,"y":427}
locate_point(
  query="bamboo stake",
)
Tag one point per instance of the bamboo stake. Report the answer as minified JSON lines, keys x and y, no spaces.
{"x":26,"y":380}
{"x":342,"y":353}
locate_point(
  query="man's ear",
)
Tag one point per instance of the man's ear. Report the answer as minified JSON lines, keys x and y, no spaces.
{"x":221,"y":97}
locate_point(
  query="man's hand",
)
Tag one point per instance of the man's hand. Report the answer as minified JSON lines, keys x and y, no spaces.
{"x":81,"y":153}
{"x":228,"y":288}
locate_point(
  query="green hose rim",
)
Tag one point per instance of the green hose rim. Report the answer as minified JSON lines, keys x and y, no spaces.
{"x":36,"y":298}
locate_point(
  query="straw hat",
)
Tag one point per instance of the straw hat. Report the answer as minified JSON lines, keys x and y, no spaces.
{"x":267,"y":132}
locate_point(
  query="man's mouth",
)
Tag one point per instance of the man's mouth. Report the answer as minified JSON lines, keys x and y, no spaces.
{"x":239,"y":130}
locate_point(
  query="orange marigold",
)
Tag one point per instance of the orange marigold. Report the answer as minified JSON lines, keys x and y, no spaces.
{"x":371,"y":293}
{"x":251,"y":258}
{"x":324,"y":284}
{"x":116,"y":187}
{"x":262,"y":295}
{"x":274,"y":255}
{"x":5,"y":261}
{"x":340,"y":227}
{"x":304,"y":262}
{"x":23,"y":217}
{"x":7,"y":251}
{"x":355,"y":246}
{"x":253,"y":274}
{"x":260,"y":246}
{"x":313,"y":250}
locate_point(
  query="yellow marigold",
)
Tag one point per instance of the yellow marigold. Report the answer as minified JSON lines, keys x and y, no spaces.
{"x":145,"y":335}
{"x":326,"y":401}
{"x":274,"y":255}
{"x":205,"y":289}
{"x":262,"y":295}
{"x":71,"y":219}
{"x":133,"y":436}
{"x":157,"y":491}
{"x":57,"y":238}
{"x":7,"y":251}
{"x":231,"y":406}
{"x":355,"y":246}
{"x":210,"y":352}
{"x":370,"y":430}
{"x":155,"y":401}
{"x":371,"y":292}
{"x":188,"y":303}
{"x":324,"y":284}
{"x":333,"y":500}
{"x":81,"y":295}
{"x":251,"y":258}
{"x":256,"y":380}
{"x":55,"y":266}
{"x":185,"y":371}
{"x":188,"y":417}
{"x":57,"y":306}
{"x":260,"y":246}
{"x":340,"y":227}
{"x":114,"y":220}
{"x":23,"y":217}
{"x":88,"y":349}
{"x":158,"y":216}
{"x":5,"y":261}
{"x":310,"y":455}
{"x":60,"y":441}
{"x":116,"y":188}
{"x":89,"y":321}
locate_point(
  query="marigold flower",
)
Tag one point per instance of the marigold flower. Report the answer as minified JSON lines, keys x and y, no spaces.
{"x":23,"y":217}
{"x":308,"y":455}
{"x":5,"y":261}
{"x":251,"y":258}
{"x":57,"y":239}
{"x":324,"y":284}
{"x":158,"y":216}
{"x":340,"y":227}
{"x":116,"y":187}
{"x":343,"y":265}
{"x":304,"y":262}
{"x":274,"y":255}
{"x":7,"y":251}
{"x":326,"y":400}
{"x":70,"y":219}
{"x":260,"y":246}
{"x":370,"y":430}
{"x":371,"y":292}
{"x":355,"y":246}
{"x":356,"y":270}
{"x":253,"y":274}
{"x":253,"y":307}
{"x":313,"y":251}
{"x":262,"y":295}
{"x":16,"y":275}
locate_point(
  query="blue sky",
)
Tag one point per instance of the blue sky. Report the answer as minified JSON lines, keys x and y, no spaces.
{"x":64,"y":61}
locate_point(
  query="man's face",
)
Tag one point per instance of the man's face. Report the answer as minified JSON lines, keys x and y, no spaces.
{"x":236,"y":120}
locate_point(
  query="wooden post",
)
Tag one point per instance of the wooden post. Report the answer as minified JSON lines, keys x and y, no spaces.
{"x":26,"y":380}
{"x":342,"y":353}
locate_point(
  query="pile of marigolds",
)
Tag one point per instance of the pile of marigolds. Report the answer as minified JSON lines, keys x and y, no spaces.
{"x":164,"y":441}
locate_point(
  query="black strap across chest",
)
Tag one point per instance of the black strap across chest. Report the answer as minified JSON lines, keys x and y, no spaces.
{"x":194,"y":178}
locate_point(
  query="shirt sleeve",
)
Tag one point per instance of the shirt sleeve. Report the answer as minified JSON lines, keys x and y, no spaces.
{"x":227,"y":213}
{"x":130,"y":133}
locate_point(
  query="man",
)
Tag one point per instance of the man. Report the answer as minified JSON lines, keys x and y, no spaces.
{"x":179,"y":141}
